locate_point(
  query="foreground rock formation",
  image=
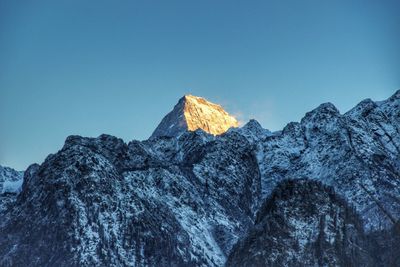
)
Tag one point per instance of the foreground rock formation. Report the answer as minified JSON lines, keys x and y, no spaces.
{"x":304,"y":223}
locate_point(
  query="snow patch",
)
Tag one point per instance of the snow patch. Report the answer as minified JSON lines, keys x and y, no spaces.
{"x":12,"y":186}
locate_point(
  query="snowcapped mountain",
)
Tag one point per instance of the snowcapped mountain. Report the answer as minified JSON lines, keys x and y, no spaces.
{"x":357,"y":153}
{"x":192,"y":113}
{"x":187,"y":195}
{"x":166,"y":202}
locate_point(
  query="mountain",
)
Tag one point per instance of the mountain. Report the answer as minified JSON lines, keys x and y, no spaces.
{"x":10,"y":186}
{"x":162,"y":202}
{"x":187,"y":197}
{"x":192,"y":113}
{"x":358,"y":153}
{"x":303,"y":223}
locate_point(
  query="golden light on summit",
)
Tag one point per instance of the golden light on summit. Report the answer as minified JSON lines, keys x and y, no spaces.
{"x":192,"y":113}
{"x":210,"y":117}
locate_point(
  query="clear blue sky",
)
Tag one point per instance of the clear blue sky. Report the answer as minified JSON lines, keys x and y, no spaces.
{"x":117,"y":67}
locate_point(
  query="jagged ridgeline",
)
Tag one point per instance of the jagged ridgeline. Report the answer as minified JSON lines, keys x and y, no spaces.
{"x":322,"y":192}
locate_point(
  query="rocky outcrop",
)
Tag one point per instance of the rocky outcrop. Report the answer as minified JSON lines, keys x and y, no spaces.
{"x":303,"y":223}
{"x":192,"y":113}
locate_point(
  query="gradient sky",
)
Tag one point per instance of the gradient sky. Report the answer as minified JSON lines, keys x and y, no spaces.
{"x":117,"y":67}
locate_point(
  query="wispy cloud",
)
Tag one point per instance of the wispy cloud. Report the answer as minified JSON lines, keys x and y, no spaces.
{"x":262,"y":110}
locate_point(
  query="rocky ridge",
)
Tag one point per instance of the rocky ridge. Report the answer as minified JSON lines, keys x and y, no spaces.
{"x":357,"y":153}
{"x":167,"y":202}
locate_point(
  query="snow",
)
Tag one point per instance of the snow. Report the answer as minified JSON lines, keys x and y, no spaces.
{"x":10,"y":180}
{"x":12,"y":186}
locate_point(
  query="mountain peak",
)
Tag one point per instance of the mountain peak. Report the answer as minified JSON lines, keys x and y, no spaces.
{"x":395,"y":96}
{"x":192,"y":113}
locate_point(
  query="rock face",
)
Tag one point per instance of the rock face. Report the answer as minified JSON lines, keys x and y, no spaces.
{"x":185,"y":197}
{"x":303,"y":223}
{"x":192,"y":113}
{"x":165,"y":202}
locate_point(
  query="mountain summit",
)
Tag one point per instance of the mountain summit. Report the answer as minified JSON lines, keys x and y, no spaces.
{"x":192,"y":113}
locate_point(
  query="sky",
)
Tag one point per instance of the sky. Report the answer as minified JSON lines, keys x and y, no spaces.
{"x":117,"y":67}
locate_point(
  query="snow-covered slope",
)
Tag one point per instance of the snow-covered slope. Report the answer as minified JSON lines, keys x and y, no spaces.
{"x":10,"y":185}
{"x":192,"y":113}
{"x":357,"y":153}
{"x":165,"y":202}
